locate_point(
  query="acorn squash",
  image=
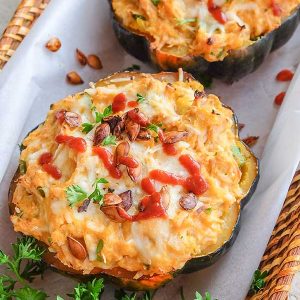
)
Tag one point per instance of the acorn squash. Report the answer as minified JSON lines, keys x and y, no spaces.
{"x":229,"y":67}
{"x":244,"y":159}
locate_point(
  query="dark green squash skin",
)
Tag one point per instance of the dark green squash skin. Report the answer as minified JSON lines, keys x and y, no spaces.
{"x":236,"y":65}
{"x":193,"y":265}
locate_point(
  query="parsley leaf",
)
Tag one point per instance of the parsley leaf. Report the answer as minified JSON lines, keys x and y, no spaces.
{"x":22,"y":167}
{"x":107,"y":111}
{"x":87,"y":127}
{"x":25,"y":249}
{"x":237,"y":154}
{"x":32,"y":269}
{"x":41,"y":191}
{"x":155,"y":2}
{"x":208,"y":210}
{"x":134,"y":67}
{"x":148,"y":295}
{"x":122,"y":295}
{"x":21,"y":147}
{"x":6,"y":285}
{"x":207,"y":296}
{"x":140,"y":98}
{"x":137,"y":16}
{"x":154,"y":127}
{"x":109,"y":140}
{"x":96,"y":195}
{"x":75,"y":194}
{"x":100,"y":180}
{"x":27,"y":292}
{"x":185,"y":21}
{"x":258,"y":281}
{"x":88,"y":291}
{"x":99,"y":249}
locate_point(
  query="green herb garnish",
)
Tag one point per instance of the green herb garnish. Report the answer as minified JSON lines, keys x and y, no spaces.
{"x":140,"y":98}
{"x":237,"y":154}
{"x":76,"y":194}
{"x":154,"y":127}
{"x":88,"y":291}
{"x":99,"y":249}
{"x":87,"y":127}
{"x":134,"y":67}
{"x":21,"y":147}
{"x":41,"y":191}
{"x":155,"y":2}
{"x":207,"y":296}
{"x":258,"y":281}
{"x":122,"y":295}
{"x":137,"y":16}
{"x":22,"y":167}
{"x":185,"y":21}
{"x":109,"y":140}
{"x":24,"y":264}
{"x":208,"y":210}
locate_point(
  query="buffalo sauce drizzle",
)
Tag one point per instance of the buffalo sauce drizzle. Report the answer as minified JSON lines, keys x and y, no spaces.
{"x":150,"y":207}
{"x":76,"y":143}
{"x":216,"y":12}
{"x":108,"y":161}
{"x":276,"y":8}
{"x":193,"y":183}
{"x":45,"y":160}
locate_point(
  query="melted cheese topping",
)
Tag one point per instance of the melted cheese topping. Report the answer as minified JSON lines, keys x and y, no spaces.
{"x":186,"y":27}
{"x":153,"y":246}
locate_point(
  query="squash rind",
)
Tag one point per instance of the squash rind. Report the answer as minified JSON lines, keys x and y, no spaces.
{"x":236,"y":65}
{"x":193,"y":264}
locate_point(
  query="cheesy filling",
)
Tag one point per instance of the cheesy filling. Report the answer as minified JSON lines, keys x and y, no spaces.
{"x":189,"y":27}
{"x":151,"y":246}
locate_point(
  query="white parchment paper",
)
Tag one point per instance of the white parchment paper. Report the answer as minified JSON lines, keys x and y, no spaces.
{"x":34,"y":78}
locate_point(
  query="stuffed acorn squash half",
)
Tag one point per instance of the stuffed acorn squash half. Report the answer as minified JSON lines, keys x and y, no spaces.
{"x":226,"y":39}
{"x":139,"y":178}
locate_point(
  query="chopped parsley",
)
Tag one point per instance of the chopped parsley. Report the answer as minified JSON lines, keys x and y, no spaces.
{"x":41,"y":191}
{"x":87,"y":127}
{"x":109,"y":140}
{"x":237,"y":154}
{"x":140,"y":98}
{"x":258,"y":281}
{"x":154,"y":127}
{"x":208,"y":210}
{"x":138,"y":17}
{"x":99,"y":249}
{"x":185,"y":21}
{"x":21,"y":147}
{"x":22,"y":167}
{"x":76,"y":194}
{"x":134,"y":67}
{"x":25,"y":264}
{"x":207,"y":296}
{"x":155,"y":2}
